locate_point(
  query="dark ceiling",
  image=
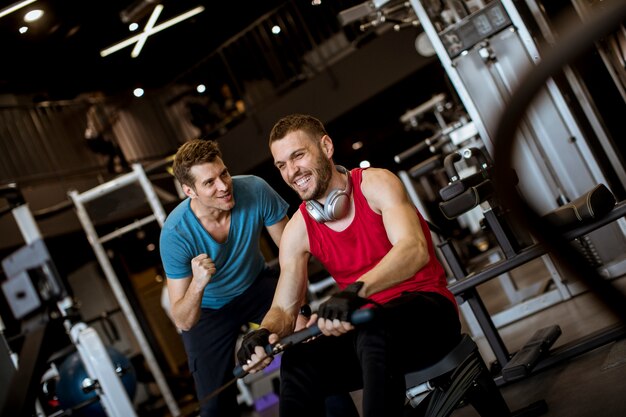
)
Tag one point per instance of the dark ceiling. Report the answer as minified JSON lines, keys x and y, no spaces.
{"x":59,"y":56}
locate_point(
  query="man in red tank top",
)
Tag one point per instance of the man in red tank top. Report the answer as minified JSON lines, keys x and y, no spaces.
{"x":362,"y":226}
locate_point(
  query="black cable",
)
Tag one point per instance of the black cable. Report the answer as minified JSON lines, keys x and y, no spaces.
{"x":434,"y":228}
{"x":53,"y":210}
{"x":576,"y":39}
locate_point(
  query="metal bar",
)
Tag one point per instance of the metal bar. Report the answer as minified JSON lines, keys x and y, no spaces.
{"x":113,"y":280}
{"x":100,"y":367}
{"x":106,"y":188}
{"x":452,"y":73}
{"x":532,"y":252}
{"x":22,"y":395}
{"x":26,"y":223}
{"x":526,"y":308}
{"x":122,"y":230}
{"x":486,"y":324}
{"x":410,"y":189}
{"x":148,"y":189}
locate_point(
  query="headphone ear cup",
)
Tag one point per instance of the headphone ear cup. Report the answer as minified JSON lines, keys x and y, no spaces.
{"x":337,"y":205}
{"x":316,"y":211}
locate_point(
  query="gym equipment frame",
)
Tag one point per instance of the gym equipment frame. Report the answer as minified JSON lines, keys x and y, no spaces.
{"x":32,"y":289}
{"x":138,"y":175}
{"x":484,"y":54}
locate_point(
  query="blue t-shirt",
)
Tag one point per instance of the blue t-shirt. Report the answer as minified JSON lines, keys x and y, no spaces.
{"x":238,"y":261}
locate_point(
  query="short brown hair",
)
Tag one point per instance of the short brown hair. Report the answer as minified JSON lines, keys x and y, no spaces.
{"x":191,"y":153}
{"x":295,"y":122}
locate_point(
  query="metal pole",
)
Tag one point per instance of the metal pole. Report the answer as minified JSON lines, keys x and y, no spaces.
{"x":114,"y":283}
{"x":153,"y":200}
{"x":111,"y":391}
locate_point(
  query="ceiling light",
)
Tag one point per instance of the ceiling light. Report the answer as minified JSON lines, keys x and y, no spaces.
{"x":316,"y":2}
{"x":364,"y":164}
{"x":14,"y":7}
{"x":33,"y":15}
{"x":357,"y":145}
{"x":156,"y":29}
{"x":23,"y":29}
{"x":146,"y":30}
{"x":275,"y":29}
{"x":138,"y":92}
{"x":133,"y":27}
{"x":201,"y":88}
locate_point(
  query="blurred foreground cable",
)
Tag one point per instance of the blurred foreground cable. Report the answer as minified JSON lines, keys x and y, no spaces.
{"x":575,"y":40}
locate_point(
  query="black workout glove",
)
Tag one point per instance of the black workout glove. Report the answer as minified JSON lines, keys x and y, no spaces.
{"x":254,"y":338}
{"x":343,"y":304}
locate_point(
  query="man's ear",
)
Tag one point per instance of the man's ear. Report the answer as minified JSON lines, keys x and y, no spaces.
{"x":327,"y":146}
{"x":189,"y":192}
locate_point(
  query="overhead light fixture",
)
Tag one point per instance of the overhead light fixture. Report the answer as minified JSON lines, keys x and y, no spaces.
{"x":143,"y":36}
{"x":156,"y":29}
{"x":33,"y":15}
{"x":14,"y":7}
{"x":133,"y":27}
{"x":23,"y":29}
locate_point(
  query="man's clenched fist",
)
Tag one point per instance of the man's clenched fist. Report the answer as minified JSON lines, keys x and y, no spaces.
{"x":202,"y":268}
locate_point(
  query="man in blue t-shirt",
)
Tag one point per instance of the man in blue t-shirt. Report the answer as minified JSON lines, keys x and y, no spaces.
{"x":217,"y":276}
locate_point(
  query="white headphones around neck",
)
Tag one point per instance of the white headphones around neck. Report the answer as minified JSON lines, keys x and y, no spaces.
{"x":337,"y":203}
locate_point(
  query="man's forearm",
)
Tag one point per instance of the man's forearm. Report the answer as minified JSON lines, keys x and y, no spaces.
{"x":400,"y":263}
{"x":186,"y":312}
{"x":279,"y":321}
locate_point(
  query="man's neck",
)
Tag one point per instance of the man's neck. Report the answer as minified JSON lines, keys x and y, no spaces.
{"x":209,"y":214}
{"x":216,"y":222}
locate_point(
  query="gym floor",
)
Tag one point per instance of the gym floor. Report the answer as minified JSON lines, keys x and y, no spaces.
{"x":589,"y":385}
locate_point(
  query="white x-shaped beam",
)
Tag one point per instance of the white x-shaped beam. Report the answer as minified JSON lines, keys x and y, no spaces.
{"x":149,"y":30}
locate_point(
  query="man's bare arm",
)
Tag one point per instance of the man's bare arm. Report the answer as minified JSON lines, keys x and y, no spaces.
{"x":292,"y":284}
{"x":276,"y":230}
{"x":386,"y":195}
{"x":186,"y":293}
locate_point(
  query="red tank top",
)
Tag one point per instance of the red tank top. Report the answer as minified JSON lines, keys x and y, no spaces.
{"x":348,"y":254}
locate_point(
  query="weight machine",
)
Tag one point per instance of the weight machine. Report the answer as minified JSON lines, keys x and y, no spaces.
{"x":37,"y":296}
{"x":428,"y":182}
{"x":484,"y":47}
{"x":561,"y":150}
{"x":561,"y":147}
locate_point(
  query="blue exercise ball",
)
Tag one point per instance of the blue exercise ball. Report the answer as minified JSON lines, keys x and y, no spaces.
{"x":73,"y":377}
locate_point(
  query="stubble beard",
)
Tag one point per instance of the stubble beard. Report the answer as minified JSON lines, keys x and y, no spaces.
{"x":322,"y":174}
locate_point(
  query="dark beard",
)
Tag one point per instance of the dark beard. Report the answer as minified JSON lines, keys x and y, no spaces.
{"x":323,"y":174}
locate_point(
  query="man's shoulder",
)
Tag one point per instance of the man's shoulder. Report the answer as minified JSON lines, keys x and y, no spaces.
{"x":376,"y":177}
{"x":296,"y":222}
{"x":296,"y":232}
{"x":176,"y":215}
{"x":372,"y":172}
{"x":248,"y":179}
{"x":250,"y":184}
